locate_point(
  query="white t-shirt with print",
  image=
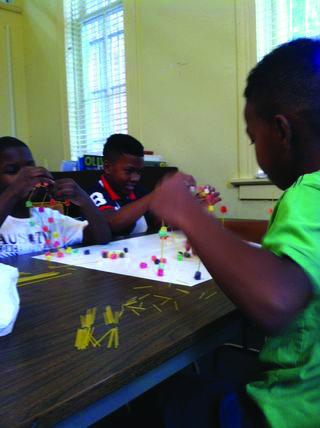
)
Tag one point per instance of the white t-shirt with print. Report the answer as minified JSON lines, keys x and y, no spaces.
{"x":28,"y":235}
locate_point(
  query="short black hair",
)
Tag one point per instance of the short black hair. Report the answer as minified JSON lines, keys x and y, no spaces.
{"x":121,"y":144}
{"x":9,"y":142}
{"x":287,"y":81}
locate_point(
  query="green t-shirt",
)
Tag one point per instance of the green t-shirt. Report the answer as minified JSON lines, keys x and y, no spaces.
{"x":289,"y":392}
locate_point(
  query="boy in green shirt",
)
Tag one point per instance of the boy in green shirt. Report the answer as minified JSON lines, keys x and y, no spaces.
{"x":277,"y":286}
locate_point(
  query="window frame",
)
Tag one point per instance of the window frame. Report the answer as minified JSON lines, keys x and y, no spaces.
{"x":249,"y":187}
{"x":246,"y":59}
{"x":77,"y":84}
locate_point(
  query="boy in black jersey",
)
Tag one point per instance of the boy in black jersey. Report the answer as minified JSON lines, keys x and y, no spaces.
{"x":118,"y":193}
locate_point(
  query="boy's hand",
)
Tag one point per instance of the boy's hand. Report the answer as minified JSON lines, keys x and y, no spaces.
{"x":207,"y":195}
{"x":172,"y":198}
{"x":27,"y":178}
{"x":66,"y":188}
{"x":98,"y":230}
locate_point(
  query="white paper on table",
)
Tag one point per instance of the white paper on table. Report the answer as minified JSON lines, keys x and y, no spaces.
{"x":9,"y":298}
{"x":141,"y":249}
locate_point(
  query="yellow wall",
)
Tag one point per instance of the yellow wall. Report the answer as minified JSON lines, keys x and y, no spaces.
{"x":13,"y":105}
{"x":46,"y":93}
{"x":182,"y":89}
{"x":182,"y":86}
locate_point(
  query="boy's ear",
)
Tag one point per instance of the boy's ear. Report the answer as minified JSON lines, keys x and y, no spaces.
{"x":284,"y":130}
{"x":107,"y":167}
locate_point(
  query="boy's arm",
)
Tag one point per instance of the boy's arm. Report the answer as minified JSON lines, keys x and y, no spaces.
{"x":98,"y":230}
{"x":128,"y":214}
{"x":269,"y":289}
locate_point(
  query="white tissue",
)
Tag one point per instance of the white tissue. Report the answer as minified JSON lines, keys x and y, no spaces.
{"x":9,"y":298}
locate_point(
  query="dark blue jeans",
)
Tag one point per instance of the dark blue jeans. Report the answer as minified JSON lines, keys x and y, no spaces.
{"x":200,"y":403}
{"x":216,"y":398}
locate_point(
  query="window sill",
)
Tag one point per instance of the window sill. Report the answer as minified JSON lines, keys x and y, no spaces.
{"x":256,"y":189}
{"x":249,"y":181}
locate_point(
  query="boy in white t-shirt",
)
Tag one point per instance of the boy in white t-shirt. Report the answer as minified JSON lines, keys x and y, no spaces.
{"x":26,"y":229}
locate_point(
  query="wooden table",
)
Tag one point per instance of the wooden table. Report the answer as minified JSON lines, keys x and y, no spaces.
{"x":46,"y":381}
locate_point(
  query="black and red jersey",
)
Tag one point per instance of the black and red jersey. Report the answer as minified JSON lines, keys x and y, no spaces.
{"x":105,"y":198}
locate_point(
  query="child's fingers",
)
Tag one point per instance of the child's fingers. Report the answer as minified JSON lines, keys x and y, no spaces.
{"x":40,"y":182}
{"x":26,"y":184}
{"x":64,"y":192}
{"x":177,"y":181}
{"x":187,"y":245}
{"x":62,"y":181}
{"x":214,"y":199}
{"x":171,"y":197}
{"x":67,"y":189}
{"x":34,"y":177}
{"x":188,"y":180}
{"x":66,"y":185}
{"x":37,"y":172}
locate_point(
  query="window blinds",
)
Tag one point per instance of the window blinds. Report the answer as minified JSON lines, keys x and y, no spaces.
{"x":96,"y":79}
{"x":278,"y":21}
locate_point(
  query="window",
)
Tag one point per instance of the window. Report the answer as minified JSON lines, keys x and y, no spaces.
{"x":96,"y":78}
{"x":263,"y":25}
{"x":278,"y":21}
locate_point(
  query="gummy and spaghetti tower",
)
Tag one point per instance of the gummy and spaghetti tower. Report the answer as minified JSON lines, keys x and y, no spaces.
{"x":223,"y":210}
{"x":205,"y":194}
{"x":163,"y":235}
{"x":53,"y":240}
{"x":270,"y":209}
